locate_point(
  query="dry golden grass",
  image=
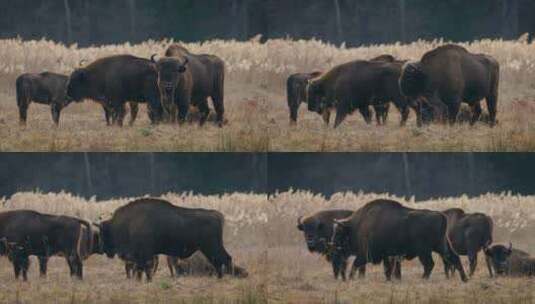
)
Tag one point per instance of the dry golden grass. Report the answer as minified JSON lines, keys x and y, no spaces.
{"x":261,"y":235}
{"x":256,"y":103}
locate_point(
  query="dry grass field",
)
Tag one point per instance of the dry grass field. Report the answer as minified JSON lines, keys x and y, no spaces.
{"x":261,"y":235}
{"x":256,"y":103}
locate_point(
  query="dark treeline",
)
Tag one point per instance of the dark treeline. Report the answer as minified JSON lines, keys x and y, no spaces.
{"x":109,"y":175}
{"x":424,"y":175}
{"x":356,"y":22}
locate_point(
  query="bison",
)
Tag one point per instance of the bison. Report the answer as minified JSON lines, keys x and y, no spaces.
{"x":451,"y":75}
{"x":357,"y":85}
{"x":510,"y":261}
{"x":115,"y":80}
{"x":44,"y":88}
{"x":186,"y":79}
{"x":383,"y":229}
{"x":27,"y":232}
{"x":296,"y":94}
{"x":469,"y":233}
{"x":318,"y":230}
{"x":147,"y":227}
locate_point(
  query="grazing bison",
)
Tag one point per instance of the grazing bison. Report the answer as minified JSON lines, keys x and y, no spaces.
{"x":453,"y":75}
{"x":296,"y":85}
{"x":115,"y":80}
{"x":186,"y":79}
{"x":357,"y":85}
{"x":44,"y":88}
{"x":148,"y":227}
{"x":382,"y":229}
{"x":44,"y":235}
{"x":510,"y":261}
{"x":469,"y":233}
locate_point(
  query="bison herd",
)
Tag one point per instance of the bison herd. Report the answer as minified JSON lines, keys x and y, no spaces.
{"x":388,"y":232}
{"x":137,"y":233}
{"x":433,"y":87}
{"x":169,"y":86}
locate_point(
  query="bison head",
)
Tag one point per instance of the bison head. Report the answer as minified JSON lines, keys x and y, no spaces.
{"x":314,"y":96}
{"x":106,"y":240}
{"x":317,"y":234}
{"x":499,"y":257}
{"x":170,"y":71}
{"x":78,"y":85}
{"x":15,"y":250}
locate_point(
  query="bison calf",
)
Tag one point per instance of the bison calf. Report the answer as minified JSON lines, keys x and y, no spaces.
{"x":44,"y":88}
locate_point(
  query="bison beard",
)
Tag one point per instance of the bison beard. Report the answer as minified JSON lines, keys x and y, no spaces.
{"x":147,"y":223}
{"x":382,"y":229}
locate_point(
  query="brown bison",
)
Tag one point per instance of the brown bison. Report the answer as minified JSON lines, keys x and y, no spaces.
{"x":148,"y":227}
{"x":26,"y":232}
{"x":44,"y":88}
{"x":112,"y":81}
{"x":510,"y":261}
{"x":383,"y":229}
{"x":469,"y":233}
{"x":186,"y":79}
{"x":451,"y":75}
{"x":357,"y":85}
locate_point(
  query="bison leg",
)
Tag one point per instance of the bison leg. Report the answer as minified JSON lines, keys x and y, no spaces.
{"x":219,"y":108}
{"x":428,"y":263}
{"x":128,"y":268}
{"x":134,"y":109}
{"x":23,"y":112}
{"x":326,"y":115}
{"x":171,"y":263}
{"x":365,"y":112}
{"x":75,"y":265}
{"x":56,"y":110}
{"x":361,"y":270}
{"x":476,"y":113}
{"x":107,"y":114}
{"x":491,"y":106}
{"x":43,"y":261}
{"x":489,"y":265}
{"x":397,"y":268}
{"x":472,"y":259}
{"x":388,"y":267}
{"x":453,"y":111}
{"x":218,"y":257}
{"x":339,"y":268}
{"x":25,"y":265}
{"x":119,"y":112}
{"x":342,"y":110}
{"x":204,"y":111}
{"x":293,"y":106}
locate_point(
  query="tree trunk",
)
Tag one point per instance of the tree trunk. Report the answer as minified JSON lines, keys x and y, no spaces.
{"x":402,"y":21}
{"x":68,"y":20}
{"x":339,"y":30}
{"x":132,"y":12}
{"x":406,"y":175}
{"x":509,"y":19}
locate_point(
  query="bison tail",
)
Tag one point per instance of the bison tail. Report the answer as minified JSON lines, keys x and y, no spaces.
{"x":85,"y":226}
{"x":412,"y":80}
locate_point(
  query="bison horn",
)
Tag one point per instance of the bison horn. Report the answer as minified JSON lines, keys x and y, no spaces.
{"x":299,"y":220}
{"x":152,"y":57}
{"x":81,"y":63}
{"x":186,"y":60}
{"x":510,"y":246}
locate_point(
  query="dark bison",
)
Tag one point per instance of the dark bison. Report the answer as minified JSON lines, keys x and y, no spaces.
{"x":318,"y":231}
{"x":451,"y":75}
{"x":186,"y":79}
{"x":296,"y":85}
{"x":44,"y":88}
{"x":27,"y":232}
{"x":382,"y":229}
{"x":147,"y":227}
{"x":357,"y":85}
{"x":112,"y":81}
{"x":469,"y":233}
{"x":510,"y":261}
